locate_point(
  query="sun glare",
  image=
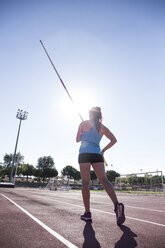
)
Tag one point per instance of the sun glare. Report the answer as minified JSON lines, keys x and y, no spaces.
{"x":83,"y":101}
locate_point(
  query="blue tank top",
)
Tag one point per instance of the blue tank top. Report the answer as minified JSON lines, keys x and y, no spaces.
{"x":90,"y":141}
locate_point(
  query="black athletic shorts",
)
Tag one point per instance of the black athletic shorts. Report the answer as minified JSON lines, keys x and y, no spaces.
{"x":90,"y":158}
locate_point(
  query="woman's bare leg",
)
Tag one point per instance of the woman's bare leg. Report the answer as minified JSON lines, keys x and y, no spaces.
{"x":100,"y":173}
{"x":85,"y":177}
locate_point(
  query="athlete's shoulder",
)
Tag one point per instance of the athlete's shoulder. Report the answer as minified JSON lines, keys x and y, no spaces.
{"x":84,"y":123}
{"x":104,"y":128}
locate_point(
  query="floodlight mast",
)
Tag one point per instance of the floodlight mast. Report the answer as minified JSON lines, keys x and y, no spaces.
{"x":21,"y":115}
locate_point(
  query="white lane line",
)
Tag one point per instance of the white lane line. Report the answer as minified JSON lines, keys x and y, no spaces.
{"x":55,"y":234}
{"x":101,"y":211}
{"x":108,"y":204}
{"x":148,"y":209}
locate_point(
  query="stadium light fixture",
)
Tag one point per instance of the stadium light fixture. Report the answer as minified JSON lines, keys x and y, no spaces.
{"x":21,"y":115}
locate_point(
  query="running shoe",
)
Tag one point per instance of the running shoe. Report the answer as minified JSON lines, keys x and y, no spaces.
{"x":119,"y":211}
{"x":86,"y":216}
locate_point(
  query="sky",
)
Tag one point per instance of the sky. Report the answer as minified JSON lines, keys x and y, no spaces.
{"x":109,"y":54}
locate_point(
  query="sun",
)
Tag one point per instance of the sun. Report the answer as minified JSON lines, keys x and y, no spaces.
{"x":82,"y":102}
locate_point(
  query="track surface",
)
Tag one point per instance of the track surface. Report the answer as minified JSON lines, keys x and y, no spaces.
{"x":60,"y":212}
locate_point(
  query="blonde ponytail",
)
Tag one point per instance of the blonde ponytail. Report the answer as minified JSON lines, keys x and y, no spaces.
{"x":97,"y":116}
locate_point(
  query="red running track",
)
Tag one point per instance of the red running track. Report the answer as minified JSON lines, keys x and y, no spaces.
{"x":39,"y":218}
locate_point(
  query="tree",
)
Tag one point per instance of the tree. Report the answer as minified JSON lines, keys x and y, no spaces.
{"x":38,"y":174}
{"x":51,"y":172}
{"x":27,"y":170}
{"x":111,"y":175}
{"x":133,"y":180}
{"x":93,"y":176}
{"x":46,"y":167}
{"x":8,"y":158}
{"x":71,"y":171}
{"x":2,"y":174}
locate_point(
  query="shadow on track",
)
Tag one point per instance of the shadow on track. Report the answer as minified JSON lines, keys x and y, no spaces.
{"x":89,"y":237}
{"x":127,"y":239}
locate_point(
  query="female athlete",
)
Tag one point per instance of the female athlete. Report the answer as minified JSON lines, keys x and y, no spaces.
{"x":90,"y":133}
